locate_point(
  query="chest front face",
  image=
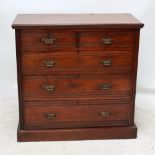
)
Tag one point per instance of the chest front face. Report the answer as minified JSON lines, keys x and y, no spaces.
{"x":77,"y":77}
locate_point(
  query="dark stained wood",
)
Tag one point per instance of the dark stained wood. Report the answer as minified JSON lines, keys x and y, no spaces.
{"x":96,"y":101}
{"x":87,"y":40}
{"x":93,"y":40}
{"x":33,"y":39}
{"x":78,"y":20}
{"x":134,"y":75}
{"x":74,"y":85}
{"x":78,"y":76}
{"x":75,"y":116}
{"x":35,"y":63}
{"x":78,"y":134}
{"x":19,"y":77}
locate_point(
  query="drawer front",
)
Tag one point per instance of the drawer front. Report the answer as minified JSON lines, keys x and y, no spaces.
{"x":110,"y":40}
{"x":37,"y":40}
{"x":110,"y":62}
{"x":76,"y":116}
{"x":74,"y":85}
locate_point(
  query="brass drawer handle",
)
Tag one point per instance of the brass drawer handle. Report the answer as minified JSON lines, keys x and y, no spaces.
{"x":48,"y":40}
{"x":106,"y":86}
{"x":106,"y":62}
{"x":49,"y":63}
{"x":49,"y":88}
{"x":50,"y":116}
{"x":107,"y":41}
{"x":105,"y":114}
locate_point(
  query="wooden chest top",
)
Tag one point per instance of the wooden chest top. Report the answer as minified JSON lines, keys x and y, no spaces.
{"x":56,"y":20}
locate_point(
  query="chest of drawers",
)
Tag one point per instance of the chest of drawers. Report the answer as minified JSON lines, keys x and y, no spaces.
{"x":76,"y":76}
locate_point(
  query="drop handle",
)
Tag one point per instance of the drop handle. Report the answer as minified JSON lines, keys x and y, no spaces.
{"x":106,"y":86}
{"x":49,"y":88}
{"x":50,"y":116}
{"x":104,"y":114}
{"x":49,"y":63}
{"x":48,"y":40}
{"x":107,"y":41}
{"x":106,"y":62}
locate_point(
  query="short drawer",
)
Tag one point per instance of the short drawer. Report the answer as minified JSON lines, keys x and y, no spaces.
{"x":76,"y":116}
{"x":110,"y":62}
{"x":47,"y":40}
{"x":75,"y":85}
{"x":107,"y":40}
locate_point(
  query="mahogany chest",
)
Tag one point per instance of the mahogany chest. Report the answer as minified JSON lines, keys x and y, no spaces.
{"x":76,"y":76}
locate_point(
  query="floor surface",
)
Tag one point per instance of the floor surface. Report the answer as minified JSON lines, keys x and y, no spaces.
{"x":143,"y":145}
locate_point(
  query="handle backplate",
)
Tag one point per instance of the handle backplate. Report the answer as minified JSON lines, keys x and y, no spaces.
{"x":106,"y":86}
{"x":49,"y":63}
{"x":107,"y":41}
{"x":50,"y":116}
{"x":48,"y":40}
{"x":105,"y":114}
{"x":106,"y":62}
{"x":49,"y":88}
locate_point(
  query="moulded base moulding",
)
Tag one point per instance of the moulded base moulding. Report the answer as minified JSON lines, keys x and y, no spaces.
{"x":127,"y":132}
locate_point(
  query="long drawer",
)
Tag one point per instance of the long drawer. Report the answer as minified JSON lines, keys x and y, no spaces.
{"x":75,"y":85}
{"x":48,"y":63}
{"x":75,"y":116}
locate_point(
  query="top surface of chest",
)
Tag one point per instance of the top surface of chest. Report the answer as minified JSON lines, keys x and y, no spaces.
{"x":76,"y":20}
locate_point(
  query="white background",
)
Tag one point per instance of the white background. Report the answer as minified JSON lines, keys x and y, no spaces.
{"x":144,"y":10}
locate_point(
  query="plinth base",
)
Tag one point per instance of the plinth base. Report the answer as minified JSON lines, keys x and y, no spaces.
{"x":77,"y":134}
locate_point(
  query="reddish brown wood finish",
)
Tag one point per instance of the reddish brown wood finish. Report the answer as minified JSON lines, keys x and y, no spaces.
{"x":77,"y":75}
{"x":75,"y":116}
{"x":35,"y":63}
{"x":33,"y":40}
{"x":77,"y":134}
{"x":93,"y":40}
{"x":77,"y":21}
{"x":73,"y":85}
